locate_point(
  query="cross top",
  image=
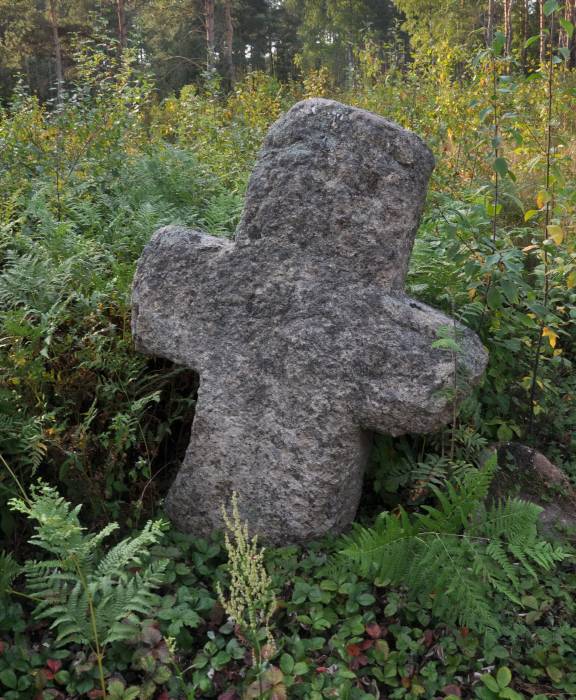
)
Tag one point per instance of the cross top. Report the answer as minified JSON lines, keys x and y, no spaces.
{"x":299,"y":330}
{"x":336,"y":181}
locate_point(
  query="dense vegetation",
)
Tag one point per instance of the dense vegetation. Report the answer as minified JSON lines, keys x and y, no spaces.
{"x":446,"y":594}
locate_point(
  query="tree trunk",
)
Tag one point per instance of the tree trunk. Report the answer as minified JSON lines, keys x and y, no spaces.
{"x":542,"y":35}
{"x":228,"y":41}
{"x":490,"y":22}
{"x":508,"y":27}
{"x":53,"y":10}
{"x":525,"y":16}
{"x":565,"y":39}
{"x":210,"y":42}
{"x":122,"y":35}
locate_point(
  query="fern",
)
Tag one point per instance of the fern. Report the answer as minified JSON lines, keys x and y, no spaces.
{"x":398,"y":467}
{"x":9,"y":570}
{"x":458,"y":552}
{"x":20,"y":435}
{"x":91,"y":598}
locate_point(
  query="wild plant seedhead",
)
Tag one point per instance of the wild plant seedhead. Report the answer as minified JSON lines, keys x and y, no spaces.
{"x":250,"y":602}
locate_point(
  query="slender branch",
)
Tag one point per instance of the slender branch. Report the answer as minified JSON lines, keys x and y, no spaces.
{"x":13,"y":475}
{"x":496,"y":136}
{"x":99,"y":655}
{"x":537,"y":354}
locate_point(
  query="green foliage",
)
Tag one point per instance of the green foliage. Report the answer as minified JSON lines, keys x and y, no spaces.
{"x":333,"y":33}
{"x":90,"y":597}
{"x":458,"y":552}
{"x":118,"y":691}
{"x":9,"y":570}
{"x":498,"y":686}
{"x":336,"y":633}
{"x":83,"y":195}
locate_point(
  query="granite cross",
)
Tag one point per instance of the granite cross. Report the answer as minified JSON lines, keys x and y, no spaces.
{"x":303,"y":339}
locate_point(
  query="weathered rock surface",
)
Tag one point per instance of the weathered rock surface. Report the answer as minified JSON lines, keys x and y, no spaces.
{"x":299,"y":329}
{"x":527,"y":474}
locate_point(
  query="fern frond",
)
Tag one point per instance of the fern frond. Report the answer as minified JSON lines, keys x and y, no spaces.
{"x":380,"y":549}
{"x":88,"y":597}
{"x":458,"y":552}
{"x":130,"y":551}
{"x":515,"y":519}
{"x":9,"y":570}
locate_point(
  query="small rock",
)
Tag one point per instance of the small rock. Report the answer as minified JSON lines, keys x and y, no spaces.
{"x":526,"y":473}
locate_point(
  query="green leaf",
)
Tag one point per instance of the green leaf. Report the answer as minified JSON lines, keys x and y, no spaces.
{"x":62,"y":677}
{"x":8,"y":678}
{"x":366,"y":599}
{"x":328,"y":585}
{"x":346,"y":673}
{"x":556,"y":674}
{"x":200,"y":661}
{"x":381,"y":651}
{"x":220,"y":660}
{"x":550,"y":6}
{"x":501,"y":166}
{"x":162,"y":675}
{"x":531,"y":40}
{"x":391,"y":608}
{"x":315,"y":594}
{"x":286,"y":664}
{"x":567,"y":26}
{"x":321,"y":624}
{"x":530,"y":602}
{"x":504,"y":433}
{"x":509,"y":694}
{"x":494,"y":298}
{"x":498,"y":42}
{"x":492,"y":210}
{"x":504,"y":676}
{"x":300,"y":668}
{"x":446,"y":344}
{"x":530,"y":214}
{"x":490,"y":682}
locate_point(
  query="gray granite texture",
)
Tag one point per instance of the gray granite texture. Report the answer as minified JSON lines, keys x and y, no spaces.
{"x":299,"y":328}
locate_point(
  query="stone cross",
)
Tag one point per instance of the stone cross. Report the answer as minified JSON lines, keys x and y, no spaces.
{"x":303,"y":339}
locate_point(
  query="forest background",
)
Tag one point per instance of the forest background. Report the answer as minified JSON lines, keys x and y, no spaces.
{"x":119,"y":117}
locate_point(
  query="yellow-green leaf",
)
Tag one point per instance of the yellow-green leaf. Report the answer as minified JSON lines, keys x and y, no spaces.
{"x":542,"y":198}
{"x":555,"y":673}
{"x":503,"y":677}
{"x":556,"y":233}
{"x":551,"y":335}
{"x":530,"y":214}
